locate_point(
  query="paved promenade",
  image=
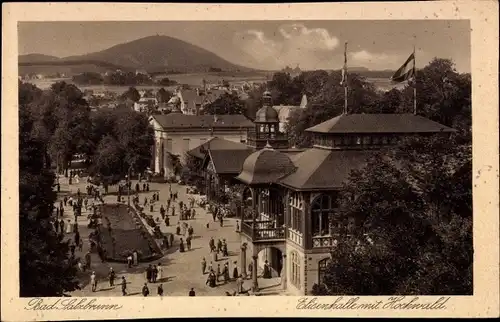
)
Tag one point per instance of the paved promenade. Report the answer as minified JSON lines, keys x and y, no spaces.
{"x":181,"y":271}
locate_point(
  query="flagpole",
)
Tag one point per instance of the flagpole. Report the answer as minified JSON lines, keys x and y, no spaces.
{"x":414,"y":81}
{"x":345,"y":85}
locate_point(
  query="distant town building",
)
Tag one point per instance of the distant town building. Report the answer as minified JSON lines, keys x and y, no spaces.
{"x":177,"y":133}
{"x":192,"y":101}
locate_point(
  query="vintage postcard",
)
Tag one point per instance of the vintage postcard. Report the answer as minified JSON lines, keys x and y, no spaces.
{"x":306,"y":160}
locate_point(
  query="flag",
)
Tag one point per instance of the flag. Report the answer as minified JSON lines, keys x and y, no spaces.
{"x":343,"y":82}
{"x":405,"y":72}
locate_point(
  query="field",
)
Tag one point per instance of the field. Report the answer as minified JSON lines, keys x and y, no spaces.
{"x":194,"y":80}
{"x":125,"y":235}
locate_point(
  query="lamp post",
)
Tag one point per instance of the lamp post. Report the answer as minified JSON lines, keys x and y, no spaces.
{"x":129,"y":185}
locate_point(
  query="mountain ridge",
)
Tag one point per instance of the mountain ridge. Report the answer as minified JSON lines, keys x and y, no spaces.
{"x":150,"y":53}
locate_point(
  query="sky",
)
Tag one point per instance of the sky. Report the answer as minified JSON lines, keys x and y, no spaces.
{"x":319,"y":44}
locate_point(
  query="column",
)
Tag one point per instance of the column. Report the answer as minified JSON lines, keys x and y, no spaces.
{"x":255,"y":284}
{"x":243,"y":260}
{"x":283,"y":272}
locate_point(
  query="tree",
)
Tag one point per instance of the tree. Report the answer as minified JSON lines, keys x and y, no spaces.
{"x":415,"y":205}
{"x":45,"y":268}
{"x":132,"y":94}
{"x":163,"y":95}
{"x":227,"y":103}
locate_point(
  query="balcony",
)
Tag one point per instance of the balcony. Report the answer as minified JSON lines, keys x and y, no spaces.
{"x":260,"y":231}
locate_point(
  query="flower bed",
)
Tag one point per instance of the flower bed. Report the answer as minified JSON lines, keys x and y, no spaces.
{"x":126,"y":235}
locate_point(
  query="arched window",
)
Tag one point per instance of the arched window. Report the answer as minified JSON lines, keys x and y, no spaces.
{"x":295,"y":269}
{"x":322,"y":267}
{"x":321,"y":210}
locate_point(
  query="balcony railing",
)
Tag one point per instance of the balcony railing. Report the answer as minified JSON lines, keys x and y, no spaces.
{"x":324,"y":241}
{"x":261,"y":231}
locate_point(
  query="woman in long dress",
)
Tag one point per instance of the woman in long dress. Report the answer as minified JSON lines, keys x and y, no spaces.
{"x":134,"y":255}
{"x":160,"y":272}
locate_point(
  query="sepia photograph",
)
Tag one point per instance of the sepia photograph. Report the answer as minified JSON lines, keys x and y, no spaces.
{"x":245,"y":158}
{"x":310,"y":158}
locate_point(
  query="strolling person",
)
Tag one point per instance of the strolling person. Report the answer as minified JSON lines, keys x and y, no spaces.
{"x":181,"y":246}
{"x":203,"y":266}
{"x":135,"y":256}
{"x":192,"y":293}
{"x":154,"y":274}
{"x":159,"y":274}
{"x":149,"y":273}
{"x":160,"y":290}
{"x":93,"y":281}
{"x":188,"y":243}
{"x":129,"y":261}
{"x":145,"y":290}
{"x":124,"y":286}
{"x":235,"y":271}
{"x":112,"y":276}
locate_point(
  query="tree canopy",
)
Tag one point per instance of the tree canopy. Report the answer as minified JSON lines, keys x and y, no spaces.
{"x":443,"y":95}
{"x":415,"y":205}
{"x":45,"y":267}
{"x":228,"y":103}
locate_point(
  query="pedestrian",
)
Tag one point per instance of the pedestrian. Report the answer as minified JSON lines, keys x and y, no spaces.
{"x":178,"y":229}
{"x":219,"y":245}
{"x":149,"y":273}
{"x":129,"y":261}
{"x":192,"y":293}
{"x":154,"y":274}
{"x":224,"y":249}
{"x":188,"y":242}
{"x":112,"y":276}
{"x":145,"y":290}
{"x":159,"y":274}
{"x":193,"y":213}
{"x":124,"y":286}
{"x":135,"y":255}
{"x":210,"y":267}
{"x":181,"y":246}
{"x":226,"y":273}
{"x":68,"y":227}
{"x":239,"y":284}
{"x":219,"y":273}
{"x":190,"y":230}
{"x":167,"y":221}
{"x":171,"y":239}
{"x":235,"y":271}
{"x":211,"y":244}
{"x":147,"y":187}
{"x":77,"y":237}
{"x":93,"y":281}
{"x":87,"y":260}
{"x":221,"y":220}
{"x":203,"y":265}
{"x":72,"y":248}
{"x":237,"y":226}
{"x":160,"y":290}
{"x":144,"y":186}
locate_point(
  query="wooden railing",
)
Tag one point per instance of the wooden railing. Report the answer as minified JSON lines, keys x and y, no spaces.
{"x":259,"y":231}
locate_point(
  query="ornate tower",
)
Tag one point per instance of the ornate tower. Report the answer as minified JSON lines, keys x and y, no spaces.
{"x":267,"y":127}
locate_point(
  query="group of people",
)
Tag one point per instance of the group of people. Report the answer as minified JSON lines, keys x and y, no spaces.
{"x":154,"y":273}
{"x":216,"y":249}
{"x":214,"y":276}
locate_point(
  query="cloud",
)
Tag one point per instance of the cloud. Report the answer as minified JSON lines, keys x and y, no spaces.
{"x":297,"y":45}
{"x":373,"y":60}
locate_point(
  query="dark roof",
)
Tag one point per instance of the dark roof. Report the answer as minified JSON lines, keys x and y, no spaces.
{"x":379,"y":123}
{"x":265,"y":166}
{"x":177,"y":121}
{"x":229,"y":161}
{"x":266,"y":114}
{"x":216,"y":144}
{"x":324,"y":169}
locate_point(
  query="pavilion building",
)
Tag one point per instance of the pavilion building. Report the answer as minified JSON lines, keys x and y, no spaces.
{"x":289,"y":200}
{"x":289,"y":196}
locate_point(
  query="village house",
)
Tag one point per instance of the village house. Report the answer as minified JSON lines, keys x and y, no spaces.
{"x":288,"y":196}
{"x":192,"y":101}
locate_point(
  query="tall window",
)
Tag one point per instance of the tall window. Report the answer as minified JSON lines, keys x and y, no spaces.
{"x":321,"y":209}
{"x":295,"y":272}
{"x":169,"y":145}
{"x":296,"y":206}
{"x":322,"y":267}
{"x":186,"y":145}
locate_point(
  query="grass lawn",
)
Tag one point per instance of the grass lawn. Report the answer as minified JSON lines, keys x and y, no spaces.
{"x":126,"y":235}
